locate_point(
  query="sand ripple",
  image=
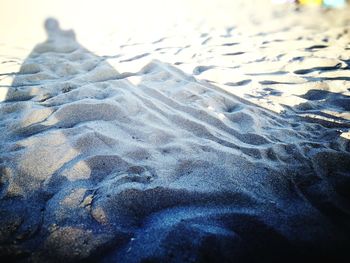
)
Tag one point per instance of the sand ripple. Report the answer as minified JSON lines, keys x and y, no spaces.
{"x":158,"y":165}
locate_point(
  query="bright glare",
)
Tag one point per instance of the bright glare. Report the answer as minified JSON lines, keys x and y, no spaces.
{"x":3,"y":93}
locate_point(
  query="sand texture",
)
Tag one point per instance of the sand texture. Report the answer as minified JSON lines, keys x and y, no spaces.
{"x":234,"y":147}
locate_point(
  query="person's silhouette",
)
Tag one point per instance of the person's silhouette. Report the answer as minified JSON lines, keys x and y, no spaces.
{"x":53,"y":30}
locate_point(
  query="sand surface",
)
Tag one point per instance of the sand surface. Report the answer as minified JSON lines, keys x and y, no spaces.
{"x":188,"y":131}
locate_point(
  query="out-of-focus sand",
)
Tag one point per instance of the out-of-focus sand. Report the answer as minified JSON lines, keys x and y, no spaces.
{"x":173,"y":131}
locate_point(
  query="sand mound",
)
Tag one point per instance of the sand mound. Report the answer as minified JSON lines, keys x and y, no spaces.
{"x":157,"y":165}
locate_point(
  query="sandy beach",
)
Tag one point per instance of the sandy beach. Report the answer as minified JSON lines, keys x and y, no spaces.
{"x":174,"y":131}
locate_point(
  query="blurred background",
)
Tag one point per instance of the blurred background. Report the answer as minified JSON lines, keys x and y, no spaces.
{"x":135,"y":27}
{"x":94,"y":21}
